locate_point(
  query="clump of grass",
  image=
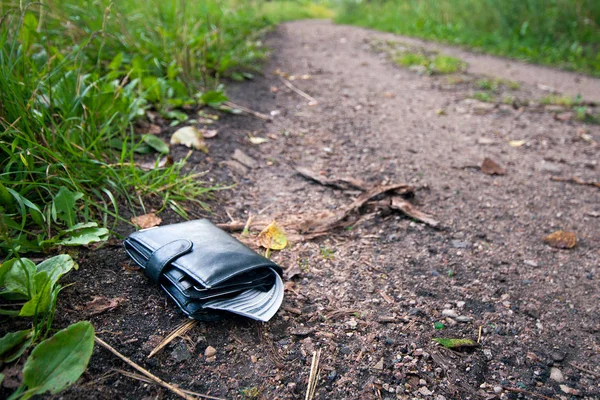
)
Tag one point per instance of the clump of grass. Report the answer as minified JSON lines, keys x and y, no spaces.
{"x":565,"y":101}
{"x":431,"y":63}
{"x":75,"y":80}
{"x":560,"y":33}
{"x":483,"y":96}
{"x":280,"y":11}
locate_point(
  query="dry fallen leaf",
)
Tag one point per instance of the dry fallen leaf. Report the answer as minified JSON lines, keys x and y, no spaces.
{"x":147,"y":220}
{"x":490,"y":167}
{"x":163,"y":163}
{"x":516,"y":143}
{"x":272,"y":237}
{"x":189,"y":137}
{"x":561,"y":240}
{"x":100,"y":304}
{"x":209,"y":133}
{"x":257,"y":140}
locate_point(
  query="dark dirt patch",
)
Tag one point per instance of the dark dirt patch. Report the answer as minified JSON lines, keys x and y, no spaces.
{"x":375,"y":291}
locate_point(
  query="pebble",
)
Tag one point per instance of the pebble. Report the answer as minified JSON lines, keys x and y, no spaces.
{"x":352,"y":324}
{"x":556,"y":375}
{"x":449,"y":313}
{"x":460,"y":304}
{"x":497,"y":389}
{"x":558,"y":356}
{"x":553,"y":169}
{"x":345,"y":350}
{"x":531,"y":263}
{"x":211,"y":360}
{"x":457,"y":244}
{"x":424,"y":391}
{"x":181,"y":353}
{"x":379,"y":365}
{"x":210,"y":351}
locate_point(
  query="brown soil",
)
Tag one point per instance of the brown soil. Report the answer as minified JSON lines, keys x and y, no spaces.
{"x":368,"y":296}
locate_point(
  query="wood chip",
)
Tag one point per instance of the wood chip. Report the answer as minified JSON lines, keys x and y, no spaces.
{"x":398,"y":203}
{"x":244,"y":159}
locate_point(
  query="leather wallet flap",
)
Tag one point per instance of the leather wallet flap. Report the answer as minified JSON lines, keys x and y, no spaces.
{"x":216,"y":255}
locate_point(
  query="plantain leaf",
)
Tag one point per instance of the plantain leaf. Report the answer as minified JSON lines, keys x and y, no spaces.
{"x":13,"y":344}
{"x":16,"y":275}
{"x":156,"y":143}
{"x":58,"y":362}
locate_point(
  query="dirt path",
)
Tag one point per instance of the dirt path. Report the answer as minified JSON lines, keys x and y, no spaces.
{"x":369,"y":296}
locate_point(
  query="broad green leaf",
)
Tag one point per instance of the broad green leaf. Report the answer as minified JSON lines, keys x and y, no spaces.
{"x":80,"y":225}
{"x":28,"y":31}
{"x":17,"y":279}
{"x":63,"y":206}
{"x":40,"y":303}
{"x":455,"y":343}
{"x":1,"y":378}
{"x":213,"y":98}
{"x":85,"y":236}
{"x":58,"y":362}
{"x":156,"y":143}
{"x":56,"y":267}
{"x":13,"y":344}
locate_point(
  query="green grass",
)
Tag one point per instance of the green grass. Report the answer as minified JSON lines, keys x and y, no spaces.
{"x":76,"y":75}
{"x":280,"y":11}
{"x":560,"y":33}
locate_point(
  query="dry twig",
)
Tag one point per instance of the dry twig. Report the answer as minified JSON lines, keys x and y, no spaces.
{"x":575,"y":180}
{"x":180,"y":330}
{"x":148,"y":374}
{"x":314,"y":375}
{"x":311,"y":100}
{"x":248,"y":111}
{"x":587,"y":371}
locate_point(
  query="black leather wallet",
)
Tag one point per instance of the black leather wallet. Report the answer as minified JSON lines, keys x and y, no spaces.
{"x":207,"y":271}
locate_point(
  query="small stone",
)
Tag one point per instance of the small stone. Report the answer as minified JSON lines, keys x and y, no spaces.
{"x":558,"y":356}
{"x":291,"y":387}
{"x":422,"y":382}
{"x":488,"y":354}
{"x":550,"y":168}
{"x":531,"y":263}
{"x":556,"y":375}
{"x":457,"y":244}
{"x":352,"y":324}
{"x":460,"y":304}
{"x":254,"y":359}
{"x":379,"y":365}
{"x":497,"y":389}
{"x":244,"y":159}
{"x":210,"y":351}
{"x":345,"y":350}
{"x":424,"y":391}
{"x":181,"y":353}
{"x":449,"y":313}
{"x":211,"y":360}
{"x":440,"y":397}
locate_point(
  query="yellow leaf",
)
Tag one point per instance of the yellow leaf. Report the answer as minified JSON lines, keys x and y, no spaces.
{"x":272,"y":237}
